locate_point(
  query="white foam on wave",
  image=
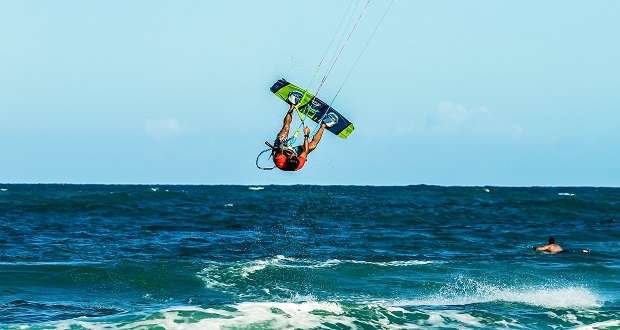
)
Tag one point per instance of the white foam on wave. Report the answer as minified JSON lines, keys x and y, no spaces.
{"x":312,"y":314}
{"x":256,"y":265}
{"x":247,"y":268}
{"x":449,"y":318}
{"x":244,"y":269}
{"x":468,"y":291}
{"x":228,"y":275}
{"x":405,"y":263}
{"x":257,"y":188}
{"x":294,"y":315}
{"x":568,"y":297}
{"x":255,"y":315}
{"x":614,"y":324}
{"x":287,"y":315}
{"x":304,"y":263}
{"x":223,"y":275}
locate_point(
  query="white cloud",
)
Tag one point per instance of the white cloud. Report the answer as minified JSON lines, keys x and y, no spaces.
{"x":162,"y":129}
{"x":451,"y":118}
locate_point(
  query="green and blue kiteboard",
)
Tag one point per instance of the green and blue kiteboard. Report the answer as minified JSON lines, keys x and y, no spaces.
{"x":315,"y":109}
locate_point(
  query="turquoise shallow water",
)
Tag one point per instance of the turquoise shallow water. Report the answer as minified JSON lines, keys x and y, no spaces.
{"x":307,"y":257}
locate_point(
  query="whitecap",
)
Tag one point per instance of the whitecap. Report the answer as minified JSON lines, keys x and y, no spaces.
{"x":405,"y":263}
{"x":272,"y":315}
{"x":465,"y":291}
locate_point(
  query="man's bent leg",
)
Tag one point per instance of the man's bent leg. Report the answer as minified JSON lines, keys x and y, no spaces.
{"x":288,"y":119}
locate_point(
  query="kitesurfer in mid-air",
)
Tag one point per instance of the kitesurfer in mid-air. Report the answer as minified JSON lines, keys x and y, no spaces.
{"x":288,"y":158}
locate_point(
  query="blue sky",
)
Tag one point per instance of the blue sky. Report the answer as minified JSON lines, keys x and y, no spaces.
{"x":511,"y":93}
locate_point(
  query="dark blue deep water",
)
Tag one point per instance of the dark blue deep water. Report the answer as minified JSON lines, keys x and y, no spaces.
{"x":307,"y":257}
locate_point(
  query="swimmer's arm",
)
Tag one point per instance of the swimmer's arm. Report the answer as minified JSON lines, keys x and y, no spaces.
{"x":541,"y":248}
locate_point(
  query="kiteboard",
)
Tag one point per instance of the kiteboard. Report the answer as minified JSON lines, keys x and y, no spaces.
{"x":315,"y":109}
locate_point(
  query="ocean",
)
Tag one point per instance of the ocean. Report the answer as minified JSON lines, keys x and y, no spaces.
{"x":307,"y":257}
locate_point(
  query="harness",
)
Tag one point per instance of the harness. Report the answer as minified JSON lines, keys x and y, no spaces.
{"x":273,"y":151}
{"x":288,"y":150}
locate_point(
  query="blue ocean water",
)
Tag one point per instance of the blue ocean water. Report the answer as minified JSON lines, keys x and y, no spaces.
{"x":307,"y":257}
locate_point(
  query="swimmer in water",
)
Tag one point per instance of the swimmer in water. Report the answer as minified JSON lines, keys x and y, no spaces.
{"x":551,"y":247}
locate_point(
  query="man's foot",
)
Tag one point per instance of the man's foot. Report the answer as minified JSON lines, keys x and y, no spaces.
{"x":330,"y":120}
{"x":294,"y":97}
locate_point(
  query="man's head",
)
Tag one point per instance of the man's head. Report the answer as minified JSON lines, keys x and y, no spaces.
{"x":286,"y":161}
{"x":551,"y":240}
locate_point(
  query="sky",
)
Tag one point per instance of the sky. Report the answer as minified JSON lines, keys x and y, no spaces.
{"x":452,"y":93}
